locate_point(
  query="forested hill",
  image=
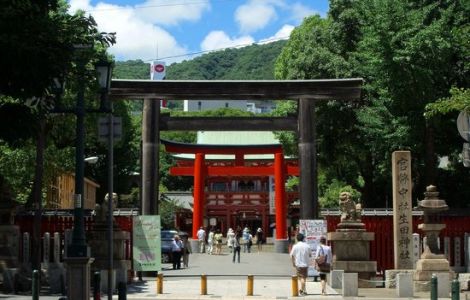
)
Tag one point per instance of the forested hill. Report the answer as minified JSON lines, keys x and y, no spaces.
{"x":251,"y":62}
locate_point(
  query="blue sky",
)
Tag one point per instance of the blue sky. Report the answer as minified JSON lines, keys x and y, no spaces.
{"x":175,"y":30}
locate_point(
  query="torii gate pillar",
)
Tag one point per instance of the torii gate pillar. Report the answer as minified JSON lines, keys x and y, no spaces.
{"x":307,"y":160}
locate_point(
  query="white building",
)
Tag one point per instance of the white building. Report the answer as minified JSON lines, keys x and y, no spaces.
{"x":253,"y":106}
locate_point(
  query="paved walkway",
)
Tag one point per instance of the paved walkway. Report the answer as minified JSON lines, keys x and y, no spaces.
{"x":226,"y":280}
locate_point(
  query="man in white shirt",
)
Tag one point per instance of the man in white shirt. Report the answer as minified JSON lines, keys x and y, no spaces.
{"x":300,"y":255}
{"x":201,"y":237}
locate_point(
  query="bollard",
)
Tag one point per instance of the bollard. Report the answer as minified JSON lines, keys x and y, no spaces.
{"x":35,"y":285}
{"x":295,"y":286}
{"x":122,"y":291}
{"x":96,"y":285}
{"x":434,"y":287}
{"x":160,"y":283}
{"x":249,"y":286}
{"x":203,"y":284}
{"x":455,"y":289}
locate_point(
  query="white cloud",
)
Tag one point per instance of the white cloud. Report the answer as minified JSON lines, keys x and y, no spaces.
{"x":256,"y":14}
{"x":281,"y":34}
{"x":171,"y":12}
{"x":136,"y":36}
{"x":219,"y":39}
{"x":300,"y":11}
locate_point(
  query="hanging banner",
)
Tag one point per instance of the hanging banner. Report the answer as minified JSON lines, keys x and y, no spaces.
{"x":272,"y":203}
{"x":313,"y":230}
{"x":147,"y":252}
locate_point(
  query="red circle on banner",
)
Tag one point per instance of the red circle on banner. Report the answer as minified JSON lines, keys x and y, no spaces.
{"x":159,"y":68}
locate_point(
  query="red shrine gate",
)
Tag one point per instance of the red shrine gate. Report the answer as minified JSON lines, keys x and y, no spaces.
{"x":203,"y":170}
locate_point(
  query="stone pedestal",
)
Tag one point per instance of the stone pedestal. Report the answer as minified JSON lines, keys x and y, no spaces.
{"x":281,"y":246}
{"x":78,"y":277}
{"x":351,"y":254}
{"x":99,"y":244}
{"x":430,"y":264}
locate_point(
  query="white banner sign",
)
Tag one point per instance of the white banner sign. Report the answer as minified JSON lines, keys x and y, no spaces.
{"x":313,"y":230}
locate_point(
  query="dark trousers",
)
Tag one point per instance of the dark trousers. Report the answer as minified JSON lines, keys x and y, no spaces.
{"x":176,"y":259}
{"x":235,"y":251}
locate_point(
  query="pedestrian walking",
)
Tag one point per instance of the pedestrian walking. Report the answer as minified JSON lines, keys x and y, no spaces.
{"x":176,"y":252}
{"x":246,"y":234}
{"x":230,"y":239}
{"x":300,"y":256}
{"x":249,"y":242}
{"x":323,"y":257}
{"x":186,"y":250}
{"x":218,"y":242}
{"x":201,"y":237}
{"x":236,"y":246}
{"x":210,"y":241}
{"x":259,"y":239}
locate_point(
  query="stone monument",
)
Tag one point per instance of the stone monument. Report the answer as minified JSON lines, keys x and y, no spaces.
{"x":98,"y":241}
{"x":432,"y":260}
{"x":9,"y":243}
{"x":351,"y":251}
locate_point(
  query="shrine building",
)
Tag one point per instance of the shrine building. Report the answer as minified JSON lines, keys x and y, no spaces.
{"x":237,"y":177}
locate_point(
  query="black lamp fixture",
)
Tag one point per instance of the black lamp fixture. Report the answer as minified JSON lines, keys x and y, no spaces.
{"x":104,"y":70}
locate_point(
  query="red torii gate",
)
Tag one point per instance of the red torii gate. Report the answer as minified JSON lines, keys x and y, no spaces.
{"x":200,"y":170}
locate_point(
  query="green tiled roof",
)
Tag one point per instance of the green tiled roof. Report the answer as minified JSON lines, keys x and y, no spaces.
{"x":234,"y":138}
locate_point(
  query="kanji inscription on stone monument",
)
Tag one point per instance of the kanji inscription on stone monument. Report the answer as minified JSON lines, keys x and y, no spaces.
{"x":402,"y":212}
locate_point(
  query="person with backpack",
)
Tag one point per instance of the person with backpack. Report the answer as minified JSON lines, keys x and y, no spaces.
{"x":323,"y":257}
{"x":300,"y":256}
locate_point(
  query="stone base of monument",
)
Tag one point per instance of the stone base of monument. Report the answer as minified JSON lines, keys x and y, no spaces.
{"x":391,"y":276}
{"x":281,"y":246}
{"x":98,"y":241}
{"x":351,"y":253}
{"x":425,"y":267}
{"x":55,"y":274}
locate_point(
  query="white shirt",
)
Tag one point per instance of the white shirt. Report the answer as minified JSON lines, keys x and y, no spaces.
{"x":201,"y":234}
{"x":301,"y":254}
{"x":326,"y":251}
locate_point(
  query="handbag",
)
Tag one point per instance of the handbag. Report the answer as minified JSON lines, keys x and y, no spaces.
{"x":320,"y":262}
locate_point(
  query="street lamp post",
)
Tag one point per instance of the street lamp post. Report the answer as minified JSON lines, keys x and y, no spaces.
{"x":104,"y":69}
{"x":79,"y":260}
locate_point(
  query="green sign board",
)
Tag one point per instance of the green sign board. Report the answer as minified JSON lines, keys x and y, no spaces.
{"x":147,"y":250}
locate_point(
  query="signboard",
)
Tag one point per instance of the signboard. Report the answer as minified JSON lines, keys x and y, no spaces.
{"x":157,"y":70}
{"x":272,"y":203}
{"x":313,"y":230}
{"x":146,"y":247}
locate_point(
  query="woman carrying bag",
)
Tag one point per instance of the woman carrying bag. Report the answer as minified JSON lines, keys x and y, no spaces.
{"x":322,"y":259}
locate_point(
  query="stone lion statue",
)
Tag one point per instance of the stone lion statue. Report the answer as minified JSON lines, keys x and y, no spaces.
{"x":101,"y":211}
{"x":350,"y":211}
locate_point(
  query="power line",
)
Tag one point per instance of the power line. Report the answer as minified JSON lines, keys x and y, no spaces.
{"x":156,"y":5}
{"x":220,"y":49}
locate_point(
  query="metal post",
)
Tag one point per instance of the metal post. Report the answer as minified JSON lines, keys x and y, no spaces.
{"x":35,"y":285}
{"x":295,"y":286}
{"x":203,"y":284}
{"x":78,"y":248}
{"x":122,"y":291}
{"x":434,"y":287}
{"x":249,"y":286}
{"x":160,"y":283}
{"x":455,"y":289}
{"x":110,"y":199}
{"x":96,"y":286}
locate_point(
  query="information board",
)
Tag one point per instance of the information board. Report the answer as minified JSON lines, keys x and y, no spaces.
{"x":313,"y":230}
{"x":147,"y":250}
